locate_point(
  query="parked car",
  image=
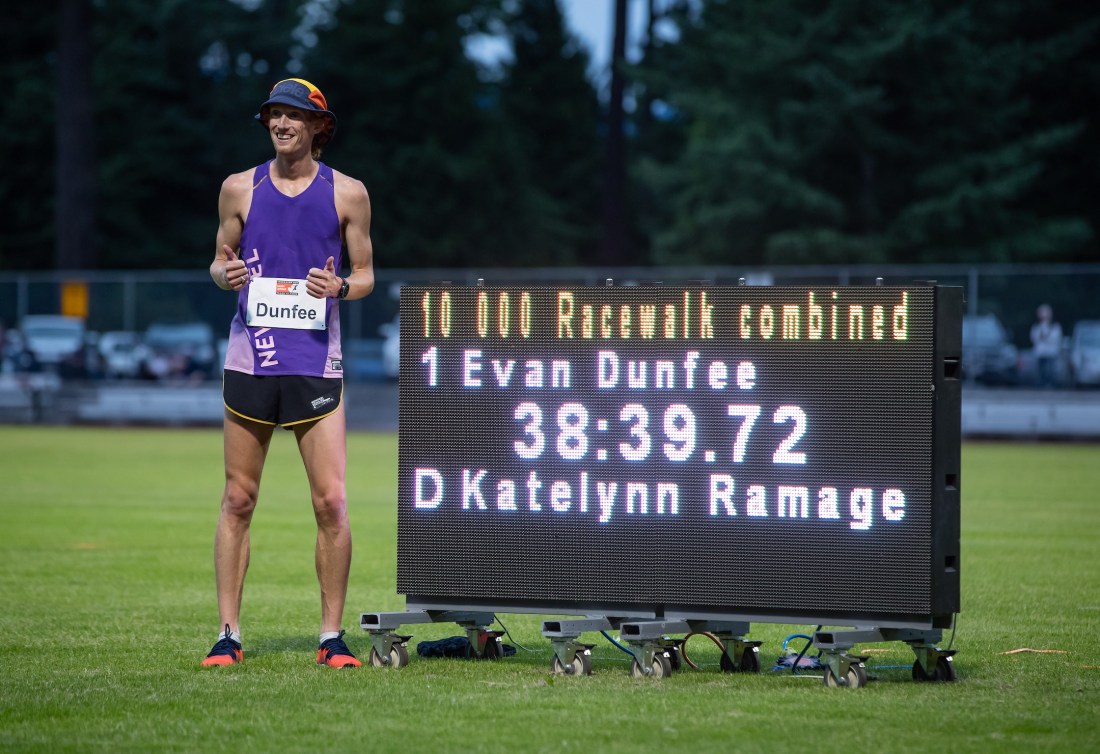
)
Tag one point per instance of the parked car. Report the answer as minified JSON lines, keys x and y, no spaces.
{"x":1084,"y":353}
{"x":122,"y":352}
{"x":52,"y":338}
{"x":179,"y":350}
{"x":987,"y":353}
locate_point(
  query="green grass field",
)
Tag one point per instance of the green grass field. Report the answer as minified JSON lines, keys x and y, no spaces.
{"x":107,"y":607}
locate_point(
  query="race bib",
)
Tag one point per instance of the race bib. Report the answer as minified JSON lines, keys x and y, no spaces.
{"x":283,"y":302}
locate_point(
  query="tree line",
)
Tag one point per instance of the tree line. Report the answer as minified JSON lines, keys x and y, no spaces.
{"x":754,"y":132}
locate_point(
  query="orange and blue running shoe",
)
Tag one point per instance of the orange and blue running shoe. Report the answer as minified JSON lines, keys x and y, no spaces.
{"x":225,"y":652}
{"x":335,"y":653}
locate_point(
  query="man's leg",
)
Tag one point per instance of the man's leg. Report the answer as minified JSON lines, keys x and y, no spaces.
{"x":323,"y":445}
{"x":246,"y":445}
{"x":324,"y":451}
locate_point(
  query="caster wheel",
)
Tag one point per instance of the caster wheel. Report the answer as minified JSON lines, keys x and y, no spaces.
{"x":944,"y":672}
{"x":674,"y":658}
{"x":662,"y":668}
{"x":750,"y":662}
{"x":581,"y":665}
{"x":492,"y":649}
{"x":857,"y":677}
{"x":398,"y":657}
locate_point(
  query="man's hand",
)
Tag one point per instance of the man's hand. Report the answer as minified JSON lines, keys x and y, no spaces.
{"x":323,"y":283}
{"x":235,"y":276}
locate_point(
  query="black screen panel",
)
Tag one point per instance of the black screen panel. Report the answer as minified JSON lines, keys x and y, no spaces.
{"x":736,"y":450}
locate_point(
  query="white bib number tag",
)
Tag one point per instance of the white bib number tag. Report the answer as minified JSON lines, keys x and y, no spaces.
{"x":283,"y":302}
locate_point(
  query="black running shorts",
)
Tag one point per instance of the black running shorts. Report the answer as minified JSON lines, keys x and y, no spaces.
{"x":284,"y":399}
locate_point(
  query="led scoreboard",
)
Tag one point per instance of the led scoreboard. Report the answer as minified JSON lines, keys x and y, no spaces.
{"x":782,"y":454}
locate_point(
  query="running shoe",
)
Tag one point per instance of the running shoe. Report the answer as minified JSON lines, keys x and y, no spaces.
{"x":335,"y":653}
{"x":225,"y":652}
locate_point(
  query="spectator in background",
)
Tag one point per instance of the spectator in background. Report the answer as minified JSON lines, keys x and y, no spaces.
{"x":1046,"y":337}
{"x":14,"y":354}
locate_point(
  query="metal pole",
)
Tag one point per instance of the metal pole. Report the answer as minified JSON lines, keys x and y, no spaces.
{"x":972,"y":302}
{"x":22,"y":299}
{"x":129,"y":304}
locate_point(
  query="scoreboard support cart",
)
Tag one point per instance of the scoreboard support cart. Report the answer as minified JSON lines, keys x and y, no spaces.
{"x":845,"y":669}
{"x":739,"y":655}
{"x":651,"y":641}
{"x":390,"y":649}
{"x":653,"y":650}
{"x":572,"y":657}
{"x":656,"y":653}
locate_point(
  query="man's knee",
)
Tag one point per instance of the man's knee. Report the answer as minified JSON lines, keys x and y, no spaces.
{"x":330,"y":507}
{"x":239,"y":501}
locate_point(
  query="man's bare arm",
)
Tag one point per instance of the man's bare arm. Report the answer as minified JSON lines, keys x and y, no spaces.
{"x":228,"y":270}
{"x":356,"y":204}
{"x":353,"y":208}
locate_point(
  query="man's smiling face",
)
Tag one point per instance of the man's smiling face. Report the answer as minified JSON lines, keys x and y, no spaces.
{"x":292,"y":129}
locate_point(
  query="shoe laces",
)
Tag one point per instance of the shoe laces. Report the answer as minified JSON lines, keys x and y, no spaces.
{"x":335,"y":646}
{"x":225,"y":645}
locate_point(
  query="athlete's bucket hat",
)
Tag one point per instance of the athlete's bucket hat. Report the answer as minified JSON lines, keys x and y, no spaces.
{"x":303,"y":95}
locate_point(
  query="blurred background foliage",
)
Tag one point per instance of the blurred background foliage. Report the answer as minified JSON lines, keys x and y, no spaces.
{"x":753,"y":132}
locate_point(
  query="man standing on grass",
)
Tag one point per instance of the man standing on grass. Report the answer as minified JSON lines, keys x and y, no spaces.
{"x":281,"y":235}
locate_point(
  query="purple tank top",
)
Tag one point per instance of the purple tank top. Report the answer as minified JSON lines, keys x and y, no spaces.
{"x":284,"y":236}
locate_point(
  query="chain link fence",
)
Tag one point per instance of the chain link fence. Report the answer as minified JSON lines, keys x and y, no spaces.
{"x":137,"y":302}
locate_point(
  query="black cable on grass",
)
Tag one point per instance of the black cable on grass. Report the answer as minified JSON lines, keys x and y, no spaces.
{"x":805,"y":649}
{"x":509,"y":635}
